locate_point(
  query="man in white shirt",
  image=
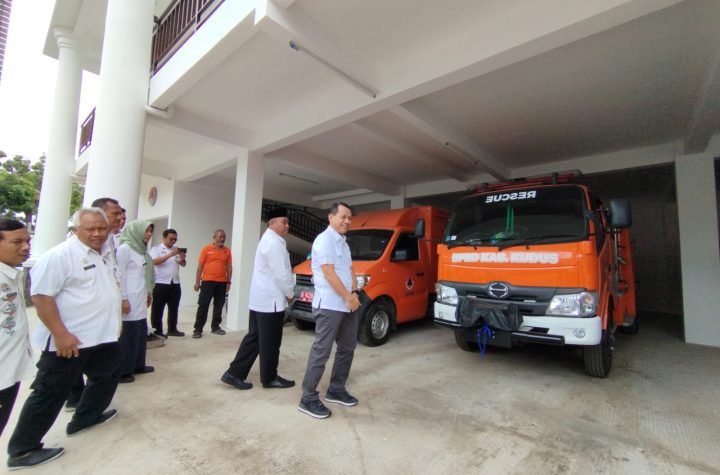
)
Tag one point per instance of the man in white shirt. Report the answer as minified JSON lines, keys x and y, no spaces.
{"x":15,"y":351}
{"x":115,"y":215}
{"x":167,"y":259}
{"x":76,"y":293}
{"x":334,"y":306}
{"x":271,"y":290}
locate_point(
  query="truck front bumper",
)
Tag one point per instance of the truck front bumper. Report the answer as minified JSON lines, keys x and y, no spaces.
{"x":545,"y":329}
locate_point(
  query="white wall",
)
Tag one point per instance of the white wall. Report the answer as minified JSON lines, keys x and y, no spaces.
{"x":700,"y":258}
{"x":197,"y":211}
{"x":164,"y":202}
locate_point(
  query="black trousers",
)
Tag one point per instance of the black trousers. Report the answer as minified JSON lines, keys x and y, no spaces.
{"x":264,"y":337}
{"x":7,"y":401}
{"x":133,"y":341}
{"x":53,"y":383}
{"x":214,"y":291}
{"x":165,"y":294}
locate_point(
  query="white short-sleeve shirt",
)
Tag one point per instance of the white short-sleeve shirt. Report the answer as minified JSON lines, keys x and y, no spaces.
{"x":84,"y":284}
{"x":330,"y":247}
{"x":131,"y":267}
{"x":272,"y":280}
{"x":167,"y":272}
{"x":15,"y":351}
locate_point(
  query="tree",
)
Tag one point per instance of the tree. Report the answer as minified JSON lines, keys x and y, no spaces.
{"x":20,"y":182}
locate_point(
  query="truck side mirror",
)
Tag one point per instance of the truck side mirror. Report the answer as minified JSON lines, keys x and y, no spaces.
{"x":619,"y":214}
{"x":420,"y":228}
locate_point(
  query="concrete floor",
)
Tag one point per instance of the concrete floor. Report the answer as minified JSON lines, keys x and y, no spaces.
{"x":425,"y":407}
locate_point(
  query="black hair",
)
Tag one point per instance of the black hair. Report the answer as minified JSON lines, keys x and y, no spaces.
{"x":169,"y":231}
{"x":10,"y":225}
{"x":336,"y":206}
{"x":102,"y":202}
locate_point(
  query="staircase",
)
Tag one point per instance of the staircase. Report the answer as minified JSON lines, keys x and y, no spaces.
{"x":303,"y":225}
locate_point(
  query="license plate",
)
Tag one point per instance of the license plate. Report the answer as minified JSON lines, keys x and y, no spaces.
{"x":306,"y":296}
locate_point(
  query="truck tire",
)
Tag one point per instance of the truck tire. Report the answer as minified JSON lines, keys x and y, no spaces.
{"x":598,"y":358}
{"x":303,"y":324}
{"x":375,"y":324}
{"x":463,"y":343}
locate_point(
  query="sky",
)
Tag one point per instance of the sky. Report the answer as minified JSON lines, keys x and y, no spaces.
{"x":27,"y":86}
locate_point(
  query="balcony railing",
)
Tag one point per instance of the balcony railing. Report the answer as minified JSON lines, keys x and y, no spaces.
{"x":86,"y":132}
{"x":179,"y":22}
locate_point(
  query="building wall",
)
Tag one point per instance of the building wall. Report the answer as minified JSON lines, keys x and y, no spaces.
{"x":196,"y":212}
{"x":163,"y":204}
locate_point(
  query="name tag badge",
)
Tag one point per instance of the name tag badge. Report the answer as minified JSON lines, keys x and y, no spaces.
{"x":91,"y":266}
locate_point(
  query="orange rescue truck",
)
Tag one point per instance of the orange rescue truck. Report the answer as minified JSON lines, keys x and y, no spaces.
{"x":394,"y":255}
{"x":538,"y":260}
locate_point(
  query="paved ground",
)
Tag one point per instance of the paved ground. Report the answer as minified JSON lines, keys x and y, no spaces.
{"x":425,"y":407}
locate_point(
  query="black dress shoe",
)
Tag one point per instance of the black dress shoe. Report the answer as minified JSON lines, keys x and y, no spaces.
{"x":74,"y":429}
{"x":218,"y":331}
{"x":175,"y":333}
{"x":145,"y":370}
{"x":228,"y":378}
{"x":128,"y":378}
{"x":34,"y":458}
{"x":279,"y":383}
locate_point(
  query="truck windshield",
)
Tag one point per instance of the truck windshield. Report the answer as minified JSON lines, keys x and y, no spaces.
{"x":368,"y":244}
{"x":515,"y":217}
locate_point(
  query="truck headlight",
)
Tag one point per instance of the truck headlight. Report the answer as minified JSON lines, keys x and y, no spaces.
{"x":446,"y":294}
{"x":583,"y":304}
{"x":362,"y":280}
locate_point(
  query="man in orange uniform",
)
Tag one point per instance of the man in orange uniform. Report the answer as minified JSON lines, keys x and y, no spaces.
{"x":213,"y":277}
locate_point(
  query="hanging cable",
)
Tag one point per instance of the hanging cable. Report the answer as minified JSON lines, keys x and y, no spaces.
{"x":482,"y":334}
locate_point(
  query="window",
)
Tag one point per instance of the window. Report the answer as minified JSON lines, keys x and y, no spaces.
{"x":406,"y":248}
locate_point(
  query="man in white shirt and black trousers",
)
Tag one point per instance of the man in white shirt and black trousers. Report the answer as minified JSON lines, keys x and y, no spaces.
{"x":167,"y":259}
{"x":271,"y":290}
{"x":75,"y":290}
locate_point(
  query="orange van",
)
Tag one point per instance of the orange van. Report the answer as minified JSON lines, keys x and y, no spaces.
{"x":538,"y":260}
{"x":394,"y":255}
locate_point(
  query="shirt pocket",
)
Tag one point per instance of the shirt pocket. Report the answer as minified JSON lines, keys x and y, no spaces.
{"x":85,"y":277}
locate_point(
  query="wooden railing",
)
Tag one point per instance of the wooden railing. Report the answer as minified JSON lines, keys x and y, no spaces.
{"x":86,"y":132}
{"x":181,"y":19}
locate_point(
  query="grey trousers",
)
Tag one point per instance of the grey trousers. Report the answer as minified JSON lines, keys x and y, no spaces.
{"x":330,"y":326}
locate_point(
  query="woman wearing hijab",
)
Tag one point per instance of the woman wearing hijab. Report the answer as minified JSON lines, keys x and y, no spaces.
{"x":137,"y":278}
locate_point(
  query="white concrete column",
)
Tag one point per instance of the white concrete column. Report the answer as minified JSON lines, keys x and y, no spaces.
{"x":699,"y":254}
{"x":397,"y":202}
{"x":54,"y":206}
{"x":249,"y":180}
{"x":119,"y":133}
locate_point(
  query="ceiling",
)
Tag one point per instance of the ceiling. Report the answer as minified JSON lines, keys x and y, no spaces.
{"x":466,"y":91}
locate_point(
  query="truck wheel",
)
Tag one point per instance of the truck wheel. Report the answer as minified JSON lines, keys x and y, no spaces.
{"x":375,"y":324}
{"x":303,"y":324}
{"x":463,"y":343}
{"x":598,"y":358}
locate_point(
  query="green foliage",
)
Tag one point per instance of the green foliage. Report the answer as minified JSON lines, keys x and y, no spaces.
{"x":20,"y":182}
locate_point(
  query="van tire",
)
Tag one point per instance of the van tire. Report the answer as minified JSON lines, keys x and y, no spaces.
{"x":375,"y":324}
{"x":303,"y":325}
{"x":598,"y":358}
{"x":462,"y":342}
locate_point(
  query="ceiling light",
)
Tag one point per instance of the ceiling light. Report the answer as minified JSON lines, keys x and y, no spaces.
{"x":342,"y":74}
{"x":299,"y":178}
